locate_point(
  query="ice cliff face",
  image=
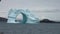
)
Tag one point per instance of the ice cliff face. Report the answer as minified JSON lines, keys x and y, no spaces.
{"x":27,"y":16}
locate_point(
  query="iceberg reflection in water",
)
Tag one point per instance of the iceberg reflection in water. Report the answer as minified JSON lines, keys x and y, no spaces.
{"x":27,"y":16}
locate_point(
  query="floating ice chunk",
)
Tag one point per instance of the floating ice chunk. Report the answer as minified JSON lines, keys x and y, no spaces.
{"x":27,"y":16}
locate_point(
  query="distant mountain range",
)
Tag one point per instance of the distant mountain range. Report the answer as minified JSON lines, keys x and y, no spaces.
{"x":48,"y":21}
{"x":3,"y":19}
{"x":41,"y":21}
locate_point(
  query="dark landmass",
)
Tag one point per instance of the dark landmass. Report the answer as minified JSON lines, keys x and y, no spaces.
{"x":3,"y":19}
{"x":41,"y":21}
{"x":48,"y":21}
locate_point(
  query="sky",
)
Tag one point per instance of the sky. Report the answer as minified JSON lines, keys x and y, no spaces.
{"x":49,"y":9}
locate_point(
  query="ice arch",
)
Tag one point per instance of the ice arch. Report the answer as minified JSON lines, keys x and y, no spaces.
{"x":27,"y":16}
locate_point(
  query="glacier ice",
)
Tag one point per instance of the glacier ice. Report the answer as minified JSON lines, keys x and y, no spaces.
{"x":27,"y":16}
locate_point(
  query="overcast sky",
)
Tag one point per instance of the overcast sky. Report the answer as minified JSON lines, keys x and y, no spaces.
{"x":44,"y":8}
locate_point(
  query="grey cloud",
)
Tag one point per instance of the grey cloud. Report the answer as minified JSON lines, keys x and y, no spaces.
{"x":46,"y":5}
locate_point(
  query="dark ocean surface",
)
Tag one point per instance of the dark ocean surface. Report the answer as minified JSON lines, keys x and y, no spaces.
{"x":42,"y":28}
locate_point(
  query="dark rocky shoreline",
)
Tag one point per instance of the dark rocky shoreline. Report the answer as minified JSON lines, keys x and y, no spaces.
{"x":41,"y":21}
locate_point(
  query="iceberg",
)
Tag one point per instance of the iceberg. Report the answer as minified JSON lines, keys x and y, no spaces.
{"x":27,"y":16}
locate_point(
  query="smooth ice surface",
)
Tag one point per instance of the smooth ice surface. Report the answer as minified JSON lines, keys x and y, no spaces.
{"x":27,"y":16}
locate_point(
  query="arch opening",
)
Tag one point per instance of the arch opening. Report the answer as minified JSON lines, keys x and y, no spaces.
{"x":23,"y":18}
{"x":19,"y":18}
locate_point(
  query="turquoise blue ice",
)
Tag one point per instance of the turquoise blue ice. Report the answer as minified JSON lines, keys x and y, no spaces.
{"x":27,"y":16}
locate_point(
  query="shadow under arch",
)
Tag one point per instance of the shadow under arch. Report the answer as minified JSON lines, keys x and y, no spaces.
{"x":24,"y":18}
